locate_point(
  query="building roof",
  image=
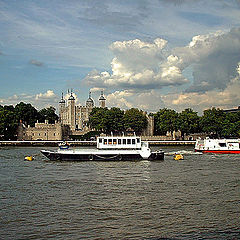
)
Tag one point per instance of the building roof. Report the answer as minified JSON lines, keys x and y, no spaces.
{"x":90,"y":100}
{"x":62,"y":99}
{"x":102,"y":97}
{"x":71,"y":97}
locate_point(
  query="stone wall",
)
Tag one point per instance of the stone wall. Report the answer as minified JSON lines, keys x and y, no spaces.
{"x":41,"y":131}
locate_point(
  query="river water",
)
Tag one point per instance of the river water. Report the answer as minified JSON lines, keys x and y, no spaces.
{"x":195,"y":198}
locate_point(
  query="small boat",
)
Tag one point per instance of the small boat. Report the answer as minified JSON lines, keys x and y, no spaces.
{"x":227,"y":146}
{"x":28,"y":158}
{"x":109,"y":148}
{"x":64,"y":145}
{"x":178,"y":156}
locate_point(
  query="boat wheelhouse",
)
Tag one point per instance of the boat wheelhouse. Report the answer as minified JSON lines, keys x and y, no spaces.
{"x":227,"y":146}
{"x":120,"y":142}
{"x":109,"y":148}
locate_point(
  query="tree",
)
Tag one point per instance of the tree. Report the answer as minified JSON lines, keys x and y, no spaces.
{"x":27,"y":113}
{"x":166,"y":120}
{"x":47,"y":114}
{"x":114,"y":120}
{"x":231,"y":125}
{"x":188,"y":122}
{"x":97,"y":119}
{"x":212,"y":121}
{"x":135,"y":119}
{"x":107,"y":120}
{"x":8,"y":123}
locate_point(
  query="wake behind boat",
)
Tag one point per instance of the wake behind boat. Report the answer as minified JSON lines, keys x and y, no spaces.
{"x":227,"y":146}
{"x":108,"y":148}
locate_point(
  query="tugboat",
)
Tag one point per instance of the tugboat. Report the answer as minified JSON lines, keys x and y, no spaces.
{"x":227,"y":146}
{"x":109,"y":148}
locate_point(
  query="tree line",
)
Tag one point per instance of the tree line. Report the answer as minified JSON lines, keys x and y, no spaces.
{"x":116,"y":120}
{"x":10,"y":117}
{"x":213,"y":121}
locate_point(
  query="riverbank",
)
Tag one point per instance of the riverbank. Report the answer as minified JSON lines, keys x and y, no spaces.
{"x":83,"y":143}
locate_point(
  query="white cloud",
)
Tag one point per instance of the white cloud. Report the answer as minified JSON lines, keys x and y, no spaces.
{"x":224,"y":99}
{"x":139,"y":64}
{"x":39,"y":101}
{"x":119,"y":99}
{"x":46,"y":96}
{"x":152,"y":73}
{"x":213,"y":57}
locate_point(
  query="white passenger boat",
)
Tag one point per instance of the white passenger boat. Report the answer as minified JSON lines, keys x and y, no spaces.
{"x":227,"y":146}
{"x":108,"y":148}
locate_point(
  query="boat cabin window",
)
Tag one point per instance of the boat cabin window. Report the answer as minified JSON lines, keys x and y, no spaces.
{"x":222,"y":144}
{"x":100,"y":140}
{"x":133,"y":141}
{"x":110,"y":141}
{"x":114,"y":141}
{"x":129,"y":141}
{"x":138,"y":140}
{"x":124,"y":141}
{"x":105,"y":141}
{"x":119,"y":141}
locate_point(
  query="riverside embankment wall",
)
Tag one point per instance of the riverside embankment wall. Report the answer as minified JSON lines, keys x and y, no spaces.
{"x":83,"y":143}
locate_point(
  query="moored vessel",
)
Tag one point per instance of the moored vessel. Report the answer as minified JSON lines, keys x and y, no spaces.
{"x":227,"y":146}
{"x":108,"y":148}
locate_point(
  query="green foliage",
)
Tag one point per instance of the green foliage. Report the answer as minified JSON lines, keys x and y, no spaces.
{"x":135,"y":120}
{"x":189,"y":121}
{"x":97,"y":118}
{"x":10,"y":117}
{"x":27,"y":113}
{"x":166,"y":120}
{"x":8,"y":124}
{"x":47,"y":114}
{"x":212,"y":121}
{"x":115,"y":120}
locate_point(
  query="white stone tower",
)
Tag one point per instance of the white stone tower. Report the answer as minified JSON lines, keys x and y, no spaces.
{"x":62,"y":105}
{"x":102,"y":100}
{"x":90,"y":102}
{"x":71,"y":112}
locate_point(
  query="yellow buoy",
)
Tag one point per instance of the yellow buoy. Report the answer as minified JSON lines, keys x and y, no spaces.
{"x":28,"y":158}
{"x":178,"y":156}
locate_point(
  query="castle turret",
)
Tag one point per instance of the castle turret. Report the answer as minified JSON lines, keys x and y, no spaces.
{"x":62,"y":105}
{"x":71,"y":111}
{"x":102,"y":100}
{"x":90,"y":102}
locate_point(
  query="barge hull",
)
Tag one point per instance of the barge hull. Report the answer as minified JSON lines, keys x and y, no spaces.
{"x":56,"y":156}
{"x":219,"y":151}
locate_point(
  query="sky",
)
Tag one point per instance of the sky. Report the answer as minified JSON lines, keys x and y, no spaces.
{"x":147,"y":54}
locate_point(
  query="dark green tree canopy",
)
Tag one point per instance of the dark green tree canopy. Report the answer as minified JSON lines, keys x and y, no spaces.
{"x":135,"y":119}
{"x":27,"y":113}
{"x":115,"y":120}
{"x":166,"y":120}
{"x":10,"y":117}
{"x":47,"y":114}
{"x":212,"y":121}
{"x":189,"y":121}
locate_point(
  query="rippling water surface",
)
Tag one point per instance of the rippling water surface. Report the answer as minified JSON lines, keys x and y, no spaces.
{"x":195,"y":198}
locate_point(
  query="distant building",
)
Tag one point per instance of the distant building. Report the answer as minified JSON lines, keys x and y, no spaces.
{"x":42,"y":131}
{"x":73,"y":120}
{"x":149,"y":130}
{"x":232,"y":110}
{"x":76,"y":117}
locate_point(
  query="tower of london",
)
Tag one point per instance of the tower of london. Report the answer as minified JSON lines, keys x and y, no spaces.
{"x":77,"y":116}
